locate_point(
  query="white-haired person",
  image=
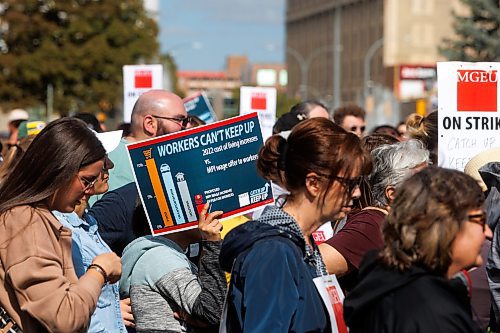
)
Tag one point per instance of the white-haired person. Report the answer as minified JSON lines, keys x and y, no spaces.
{"x":392,"y":164}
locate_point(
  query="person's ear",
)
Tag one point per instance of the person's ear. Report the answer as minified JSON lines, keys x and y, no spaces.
{"x":390,"y":194}
{"x":150,"y":125}
{"x":313,"y":184}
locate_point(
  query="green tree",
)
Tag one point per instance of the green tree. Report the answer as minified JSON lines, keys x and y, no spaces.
{"x":77,"y":46}
{"x":284,"y":103}
{"x":478,"y":34}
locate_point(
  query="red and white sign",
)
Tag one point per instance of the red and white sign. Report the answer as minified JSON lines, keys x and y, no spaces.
{"x":143,"y":78}
{"x":323,"y":233}
{"x":263,"y":101}
{"x":258,"y":101}
{"x":477,"y":90}
{"x":415,"y":81}
{"x":137,"y":79}
{"x":469,"y":121}
{"x":412,"y":72}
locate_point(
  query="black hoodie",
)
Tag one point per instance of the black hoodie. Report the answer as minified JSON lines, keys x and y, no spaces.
{"x":416,"y":300}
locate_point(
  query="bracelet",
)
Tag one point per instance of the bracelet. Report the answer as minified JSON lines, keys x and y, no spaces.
{"x":100,"y":270}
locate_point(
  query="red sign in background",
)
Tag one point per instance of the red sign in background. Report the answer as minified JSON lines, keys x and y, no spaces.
{"x":258,"y":102}
{"x":477,"y":90}
{"x":143,"y":79}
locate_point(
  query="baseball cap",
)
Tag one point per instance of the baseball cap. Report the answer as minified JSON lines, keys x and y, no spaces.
{"x":109,"y":140}
{"x":480,"y":160}
{"x":18,"y":114}
{"x":27,"y":128}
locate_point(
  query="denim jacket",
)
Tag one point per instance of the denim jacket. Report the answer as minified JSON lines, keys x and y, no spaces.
{"x":86,"y":245}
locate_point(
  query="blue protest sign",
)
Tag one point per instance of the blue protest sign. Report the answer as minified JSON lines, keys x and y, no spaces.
{"x":177,"y":174}
{"x":199,"y":105}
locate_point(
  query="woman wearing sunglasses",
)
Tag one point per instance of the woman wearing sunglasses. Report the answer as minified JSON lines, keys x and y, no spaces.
{"x":274,"y":259}
{"x":434,"y":230}
{"x":362,"y":232}
{"x":39,"y":289}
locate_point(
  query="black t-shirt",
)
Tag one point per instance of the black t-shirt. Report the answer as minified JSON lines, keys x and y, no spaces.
{"x":120,"y":217}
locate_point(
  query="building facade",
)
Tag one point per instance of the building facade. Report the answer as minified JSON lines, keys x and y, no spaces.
{"x":375,"y":41}
{"x":220,"y":86}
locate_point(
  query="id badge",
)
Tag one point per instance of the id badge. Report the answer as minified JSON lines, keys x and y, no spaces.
{"x":333,"y":298}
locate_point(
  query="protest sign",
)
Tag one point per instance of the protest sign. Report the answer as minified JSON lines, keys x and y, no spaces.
{"x":468,"y":117}
{"x":177,"y":174}
{"x":199,"y":105}
{"x":137,"y":79}
{"x":263,"y":101}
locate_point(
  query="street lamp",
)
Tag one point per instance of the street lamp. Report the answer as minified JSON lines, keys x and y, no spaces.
{"x":367,"y":62}
{"x":304,"y":64}
{"x":369,"y":101}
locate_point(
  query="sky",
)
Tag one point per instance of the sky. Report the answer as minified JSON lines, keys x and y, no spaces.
{"x":200,"y":34}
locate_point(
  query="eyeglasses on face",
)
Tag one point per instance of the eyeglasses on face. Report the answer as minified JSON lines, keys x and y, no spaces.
{"x":183,"y":121}
{"x":87,"y":184}
{"x":478,"y":219}
{"x":355,"y":128}
{"x":349,"y":183}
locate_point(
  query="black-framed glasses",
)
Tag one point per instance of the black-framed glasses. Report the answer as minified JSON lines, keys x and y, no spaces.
{"x":349,"y":183}
{"x":479,"y":218}
{"x":183,"y":121}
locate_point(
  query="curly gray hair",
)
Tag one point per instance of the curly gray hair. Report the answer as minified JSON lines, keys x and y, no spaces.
{"x":392,"y":165}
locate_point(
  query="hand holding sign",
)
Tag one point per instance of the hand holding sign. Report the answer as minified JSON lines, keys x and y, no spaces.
{"x":209,"y":226}
{"x":214,"y":163}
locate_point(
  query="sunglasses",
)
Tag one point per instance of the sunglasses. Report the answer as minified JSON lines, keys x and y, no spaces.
{"x":354,"y":128}
{"x":349,"y":183}
{"x":478,"y":219}
{"x":183,"y":121}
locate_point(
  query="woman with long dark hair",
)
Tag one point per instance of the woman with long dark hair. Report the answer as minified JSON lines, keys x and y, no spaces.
{"x":39,"y":289}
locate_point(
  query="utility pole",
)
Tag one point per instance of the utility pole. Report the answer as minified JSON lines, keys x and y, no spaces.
{"x":337,"y":52}
{"x":50,"y":102}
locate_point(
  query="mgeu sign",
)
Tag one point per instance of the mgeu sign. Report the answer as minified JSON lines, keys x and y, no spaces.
{"x":468,"y":106}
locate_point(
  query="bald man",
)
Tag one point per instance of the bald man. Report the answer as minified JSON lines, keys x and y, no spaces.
{"x":155,"y":113}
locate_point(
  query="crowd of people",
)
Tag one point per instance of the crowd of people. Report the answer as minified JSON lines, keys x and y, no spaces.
{"x":403,"y":235}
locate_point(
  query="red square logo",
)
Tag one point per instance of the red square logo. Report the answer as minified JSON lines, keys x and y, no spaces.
{"x":143,"y":79}
{"x":259,"y":101}
{"x":477,"y":90}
